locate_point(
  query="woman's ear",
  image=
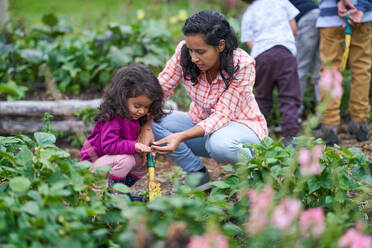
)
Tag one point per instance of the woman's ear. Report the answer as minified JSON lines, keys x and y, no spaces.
{"x":221,"y":45}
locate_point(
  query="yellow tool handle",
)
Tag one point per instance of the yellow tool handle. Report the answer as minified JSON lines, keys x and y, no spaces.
{"x":151,"y":174}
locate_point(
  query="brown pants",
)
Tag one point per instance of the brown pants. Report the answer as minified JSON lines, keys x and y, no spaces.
{"x":331,"y":50}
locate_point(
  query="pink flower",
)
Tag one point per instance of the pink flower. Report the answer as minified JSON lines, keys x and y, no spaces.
{"x":312,"y":222}
{"x":287,"y":211}
{"x":353,"y":239}
{"x":231,"y":3}
{"x":331,"y":81}
{"x":309,"y":161}
{"x":260,"y":204}
{"x":208,"y":240}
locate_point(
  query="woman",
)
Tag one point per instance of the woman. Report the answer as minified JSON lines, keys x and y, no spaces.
{"x":219,"y":77}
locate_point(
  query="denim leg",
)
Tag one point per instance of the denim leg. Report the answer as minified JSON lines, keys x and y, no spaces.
{"x":225,"y":144}
{"x":188,"y":152}
{"x":307,"y":43}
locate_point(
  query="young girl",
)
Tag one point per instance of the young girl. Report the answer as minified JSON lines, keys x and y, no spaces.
{"x":133,"y":96}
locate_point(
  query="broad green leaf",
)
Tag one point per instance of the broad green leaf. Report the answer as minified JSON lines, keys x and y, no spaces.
{"x":271,"y":161}
{"x":232,"y":228}
{"x":44,"y":139}
{"x":158,"y":204}
{"x":232,"y":180}
{"x":228,"y":168}
{"x":340,"y":197}
{"x":77,"y":181}
{"x":50,"y":19}
{"x":161,"y":228}
{"x":31,"y":207}
{"x":9,"y":140}
{"x":313,"y":184}
{"x":220,"y":184}
{"x":19,"y":184}
{"x":32,"y":56}
{"x":35,"y":196}
{"x":24,"y":156}
{"x":121,"y":188}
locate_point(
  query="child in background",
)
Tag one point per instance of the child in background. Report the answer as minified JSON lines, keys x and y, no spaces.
{"x":133,"y":96}
{"x":331,"y":23}
{"x":307,"y":45}
{"x":269,"y":29}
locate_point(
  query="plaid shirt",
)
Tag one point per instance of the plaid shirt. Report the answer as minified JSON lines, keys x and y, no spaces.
{"x":212,"y":106}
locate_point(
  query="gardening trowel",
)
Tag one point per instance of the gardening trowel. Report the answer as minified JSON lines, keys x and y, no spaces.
{"x":154,"y":188}
{"x":347,"y":43}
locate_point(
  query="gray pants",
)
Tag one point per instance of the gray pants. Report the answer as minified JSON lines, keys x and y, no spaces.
{"x":307,"y":44}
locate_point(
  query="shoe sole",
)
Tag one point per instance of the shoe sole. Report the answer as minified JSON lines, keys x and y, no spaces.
{"x":204,"y":187}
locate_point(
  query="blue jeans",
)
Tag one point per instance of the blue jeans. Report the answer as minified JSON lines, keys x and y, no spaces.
{"x":223,"y":145}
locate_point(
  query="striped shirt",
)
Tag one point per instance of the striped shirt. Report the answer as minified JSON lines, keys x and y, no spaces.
{"x":328,"y":16}
{"x":212,"y":106}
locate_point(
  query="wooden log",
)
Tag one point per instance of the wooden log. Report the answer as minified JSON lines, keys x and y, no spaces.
{"x":56,"y":108}
{"x":38,"y":108}
{"x":25,"y":116}
{"x":8,"y":127}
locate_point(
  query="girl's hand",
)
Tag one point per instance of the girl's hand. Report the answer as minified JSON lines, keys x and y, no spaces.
{"x":141,"y":148}
{"x":167,"y":144}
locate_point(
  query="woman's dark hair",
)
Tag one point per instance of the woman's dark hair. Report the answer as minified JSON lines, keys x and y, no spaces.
{"x":131,"y":81}
{"x":214,"y":27}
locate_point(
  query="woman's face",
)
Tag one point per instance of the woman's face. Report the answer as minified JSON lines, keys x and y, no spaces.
{"x":205,"y":56}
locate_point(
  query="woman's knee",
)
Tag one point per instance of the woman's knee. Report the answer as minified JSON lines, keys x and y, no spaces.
{"x":222,"y":151}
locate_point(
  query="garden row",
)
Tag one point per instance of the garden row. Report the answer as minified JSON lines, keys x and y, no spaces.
{"x":283,"y":197}
{"x":31,"y":58}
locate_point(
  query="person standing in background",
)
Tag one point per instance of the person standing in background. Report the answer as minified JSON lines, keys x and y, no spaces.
{"x":269,"y":29}
{"x":331,"y":24}
{"x":307,"y":44}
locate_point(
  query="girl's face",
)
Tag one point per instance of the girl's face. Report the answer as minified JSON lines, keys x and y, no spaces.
{"x":205,"y":56}
{"x":138,"y":106}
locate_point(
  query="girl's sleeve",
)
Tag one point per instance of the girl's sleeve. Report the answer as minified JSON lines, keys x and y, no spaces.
{"x":111,"y":142}
{"x":172,"y":73}
{"x":230,"y":101}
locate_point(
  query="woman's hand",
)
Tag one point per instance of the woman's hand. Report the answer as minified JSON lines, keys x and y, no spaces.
{"x":167,"y":144}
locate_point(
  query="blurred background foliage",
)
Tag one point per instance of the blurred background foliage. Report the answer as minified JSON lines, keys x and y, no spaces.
{"x":82,"y":42}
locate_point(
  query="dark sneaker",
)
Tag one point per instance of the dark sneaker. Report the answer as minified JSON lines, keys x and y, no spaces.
{"x":110,"y":185}
{"x":134,"y":197}
{"x":328,"y":134}
{"x":358,"y":130}
{"x":198,"y":180}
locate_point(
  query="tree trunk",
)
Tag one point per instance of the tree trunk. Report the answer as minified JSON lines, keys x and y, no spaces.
{"x":4,"y":14}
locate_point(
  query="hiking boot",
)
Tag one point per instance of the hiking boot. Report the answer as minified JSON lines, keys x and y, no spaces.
{"x":198,"y":179}
{"x":328,"y":134}
{"x":358,"y":130}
